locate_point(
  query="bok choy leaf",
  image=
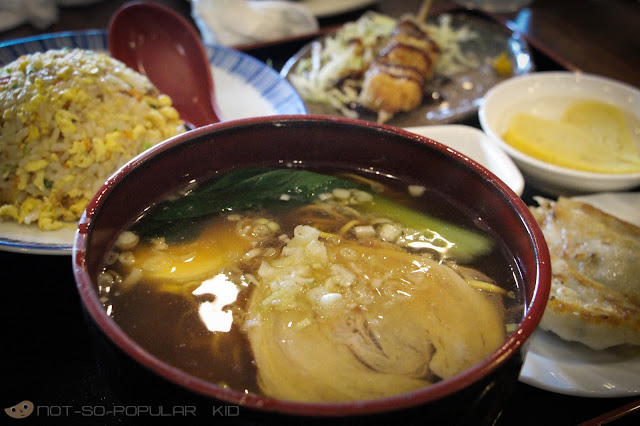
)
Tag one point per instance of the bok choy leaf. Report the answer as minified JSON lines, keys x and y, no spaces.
{"x":441,"y":235}
{"x":286,"y":188}
{"x":240,"y":190}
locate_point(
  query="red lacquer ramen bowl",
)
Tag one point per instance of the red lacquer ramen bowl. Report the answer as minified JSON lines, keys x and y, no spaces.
{"x":137,"y":375}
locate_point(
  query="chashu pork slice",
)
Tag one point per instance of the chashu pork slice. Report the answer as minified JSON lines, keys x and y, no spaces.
{"x":595,"y":259}
{"x":420,"y":323}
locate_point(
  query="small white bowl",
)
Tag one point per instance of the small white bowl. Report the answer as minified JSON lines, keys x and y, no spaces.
{"x":476,"y":145}
{"x":547,"y":95}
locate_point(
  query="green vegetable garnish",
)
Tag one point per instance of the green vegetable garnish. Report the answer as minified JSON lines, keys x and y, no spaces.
{"x":263,"y":188}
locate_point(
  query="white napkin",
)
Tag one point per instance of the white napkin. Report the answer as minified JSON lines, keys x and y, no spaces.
{"x":237,"y":22}
{"x":39,"y":13}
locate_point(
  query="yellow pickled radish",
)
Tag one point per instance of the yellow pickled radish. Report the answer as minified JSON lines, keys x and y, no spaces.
{"x":605,"y":123}
{"x":591,"y":136}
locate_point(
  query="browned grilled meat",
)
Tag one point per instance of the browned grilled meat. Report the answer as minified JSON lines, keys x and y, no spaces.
{"x":395,"y":81}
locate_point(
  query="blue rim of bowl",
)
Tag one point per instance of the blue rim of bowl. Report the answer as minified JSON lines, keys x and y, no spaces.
{"x":16,"y":246}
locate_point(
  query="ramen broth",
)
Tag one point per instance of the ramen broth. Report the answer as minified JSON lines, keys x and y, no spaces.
{"x":228,"y":300}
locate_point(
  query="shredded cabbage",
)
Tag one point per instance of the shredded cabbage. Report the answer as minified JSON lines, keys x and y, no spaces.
{"x":452,"y":59}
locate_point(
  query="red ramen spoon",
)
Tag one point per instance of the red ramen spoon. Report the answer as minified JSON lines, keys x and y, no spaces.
{"x":159,"y":43}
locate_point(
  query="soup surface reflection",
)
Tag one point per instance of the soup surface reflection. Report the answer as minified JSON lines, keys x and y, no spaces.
{"x":310,"y":286}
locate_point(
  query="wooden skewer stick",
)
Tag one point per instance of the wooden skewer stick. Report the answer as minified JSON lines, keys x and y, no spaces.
{"x":424,"y":10}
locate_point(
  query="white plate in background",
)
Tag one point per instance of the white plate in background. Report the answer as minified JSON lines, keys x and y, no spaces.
{"x":325,"y":8}
{"x":572,"y":368}
{"x":475,"y":144}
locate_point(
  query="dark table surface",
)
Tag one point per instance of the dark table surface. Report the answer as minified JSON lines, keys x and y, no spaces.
{"x":48,"y":356}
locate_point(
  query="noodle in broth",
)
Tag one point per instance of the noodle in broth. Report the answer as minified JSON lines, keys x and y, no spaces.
{"x":321,"y":297}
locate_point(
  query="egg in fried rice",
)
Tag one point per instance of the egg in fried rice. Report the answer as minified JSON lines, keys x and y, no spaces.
{"x":69,"y":119}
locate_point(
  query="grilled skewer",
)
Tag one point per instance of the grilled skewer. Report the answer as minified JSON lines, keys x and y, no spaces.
{"x":394,"y":82}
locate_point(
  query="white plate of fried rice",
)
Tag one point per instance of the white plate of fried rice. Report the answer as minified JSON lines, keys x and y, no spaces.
{"x":245,"y":87}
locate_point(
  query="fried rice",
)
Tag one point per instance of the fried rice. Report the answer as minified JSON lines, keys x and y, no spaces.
{"x":69,"y":119}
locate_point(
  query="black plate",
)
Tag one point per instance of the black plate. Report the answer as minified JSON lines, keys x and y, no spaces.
{"x":457,"y":96}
